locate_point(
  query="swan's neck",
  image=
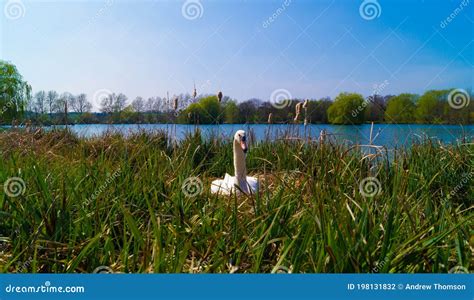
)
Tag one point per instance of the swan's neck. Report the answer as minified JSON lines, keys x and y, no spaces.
{"x":239,"y":162}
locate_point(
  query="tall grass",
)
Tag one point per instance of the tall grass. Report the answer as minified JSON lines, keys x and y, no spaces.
{"x":118,"y":201}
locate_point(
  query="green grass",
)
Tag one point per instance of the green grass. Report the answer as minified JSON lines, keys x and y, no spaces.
{"x":309,"y":217}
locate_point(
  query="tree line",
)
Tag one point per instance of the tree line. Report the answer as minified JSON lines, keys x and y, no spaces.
{"x":432,"y":107}
{"x":18,"y":104}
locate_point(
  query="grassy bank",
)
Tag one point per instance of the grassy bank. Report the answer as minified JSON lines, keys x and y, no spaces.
{"x":142,"y":204}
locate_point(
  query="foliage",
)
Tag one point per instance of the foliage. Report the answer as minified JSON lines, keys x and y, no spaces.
{"x":15,"y":93}
{"x":118,"y":201}
{"x":430,"y":106}
{"x":231,"y":112}
{"x":47,"y":108}
{"x":375,"y":110}
{"x":401,"y":109}
{"x":207,"y":111}
{"x":347,"y":108}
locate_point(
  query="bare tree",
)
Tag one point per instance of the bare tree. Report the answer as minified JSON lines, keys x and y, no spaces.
{"x":65,"y":98}
{"x":80,"y":104}
{"x":149,"y":104}
{"x":158,"y":104}
{"x":113,"y":103}
{"x":51,"y":99}
{"x":154,"y":104}
{"x":120,"y":102}
{"x":62,"y":104}
{"x":186,"y":99}
{"x":31,"y":106}
{"x":138,"y":105}
{"x":107,"y":104}
{"x":40,"y":102}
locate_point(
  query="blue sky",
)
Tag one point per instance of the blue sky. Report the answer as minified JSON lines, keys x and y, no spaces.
{"x":312,"y":49}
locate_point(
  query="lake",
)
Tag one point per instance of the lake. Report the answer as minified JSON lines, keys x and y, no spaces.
{"x":389,"y":135}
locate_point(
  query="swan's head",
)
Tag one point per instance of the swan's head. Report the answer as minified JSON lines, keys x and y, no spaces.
{"x":241,"y":138}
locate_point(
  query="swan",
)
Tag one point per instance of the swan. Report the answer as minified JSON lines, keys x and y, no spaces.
{"x":240,"y":183}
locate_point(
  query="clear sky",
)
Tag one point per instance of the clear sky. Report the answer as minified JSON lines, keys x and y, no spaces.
{"x":246,"y":49}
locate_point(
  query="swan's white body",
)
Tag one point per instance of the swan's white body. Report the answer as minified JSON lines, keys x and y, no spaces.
{"x":240,"y":183}
{"x":227,"y":186}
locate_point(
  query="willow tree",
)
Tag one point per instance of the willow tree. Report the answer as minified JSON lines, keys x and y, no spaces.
{"x":348,"y":108}
{"x":14,"y":93}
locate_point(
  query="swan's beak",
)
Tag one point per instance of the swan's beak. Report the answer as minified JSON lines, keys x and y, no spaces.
{"x":243,"y":145}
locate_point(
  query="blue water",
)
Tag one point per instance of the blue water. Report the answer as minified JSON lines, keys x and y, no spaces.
{"x":388,"y":135}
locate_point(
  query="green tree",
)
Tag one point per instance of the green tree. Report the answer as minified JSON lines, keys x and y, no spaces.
{"x":231,"y":112}
{"x":459,"y":114}
{"x":348,"y":108}
{"x":318,"y":110}
{"x":430,"y":107}
{"x":401,"y":109}
{"x":207,"y":111}
{"x":15,"y":93}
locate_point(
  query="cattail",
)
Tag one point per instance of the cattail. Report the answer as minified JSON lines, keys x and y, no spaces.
{"x":270,"y":118}
{"x":219,"y":96}
{"x":305,"y":104}
{"x":322,"y":136}
{"x":298,"y":111}
{"x":27,"y":126}
{"x":65,"y":113}
{"x":298,"y":108}
{"x":175,"y":103}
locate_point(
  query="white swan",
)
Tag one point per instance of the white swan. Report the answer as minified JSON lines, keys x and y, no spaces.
{"x":240,"y":183}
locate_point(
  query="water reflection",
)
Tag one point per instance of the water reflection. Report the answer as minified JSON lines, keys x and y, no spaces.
{"x":388,"y":135}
